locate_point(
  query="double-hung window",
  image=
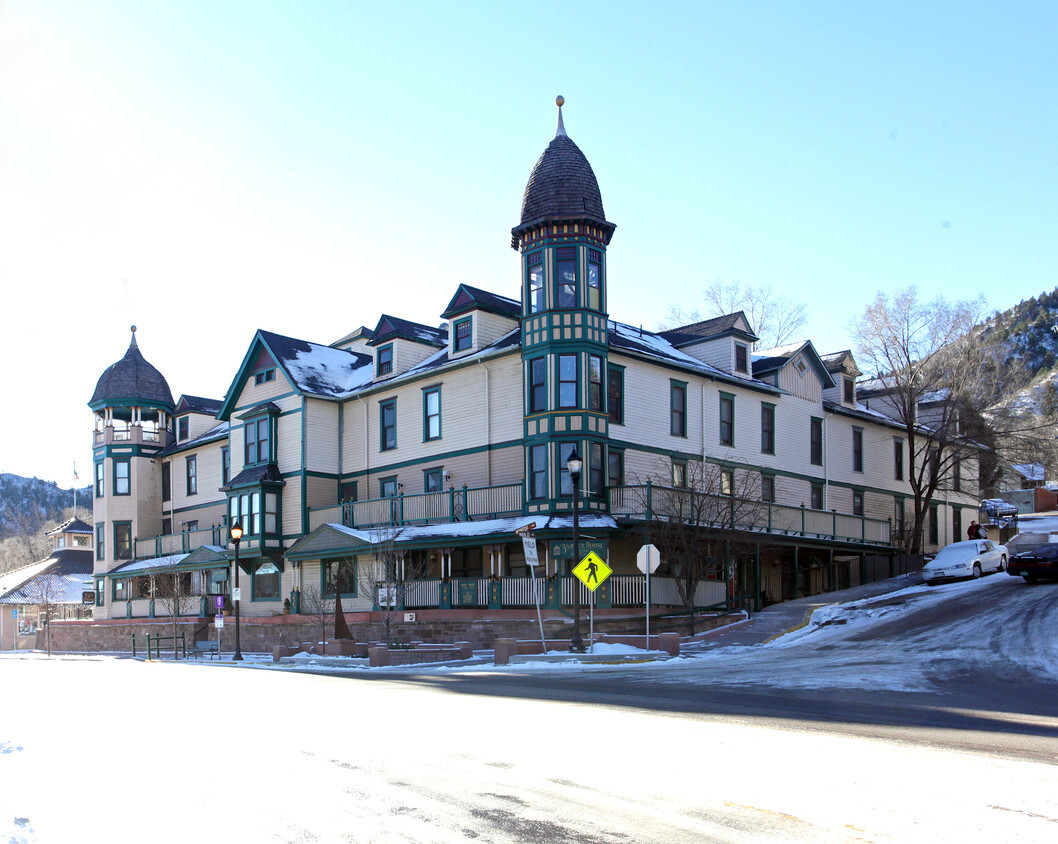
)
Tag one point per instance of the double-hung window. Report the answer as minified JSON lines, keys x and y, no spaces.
{"x":595,"y":393}
{"x":727,"y":482}
{"x":101,"y":540}
{"x":742,"y":358}
{"x":857,"y":502}
{"x":387,"y":424}
{"x":225,"y":466}
{"x":817,"y":496}
{"x":767,"y":488}
{"x":538,"y":385}
{"x":857,"y":449}
{"x":384,"y":360}
{"x":538,"y":472}
{"x":678,"y":409}
{"x":727,"y":419}
{"x":615,"y":394}
{"x":566,"y":268}
{"x":432,"y":480}
{"x":192,"y":475}
{"x":182,"y":427}
{"x":567,"y":381}
{"x":256,"y":446}
{"x":100,"y":480}
{"x":767,"y":428}
{"x":535,"y":272}
{"x":615,"y":469}
{"x":122,"y":483}
{"x":898,"y":458}
{"x":464,"y":335}
{"x":815,"y":449}
{"x":594,"y":280}
{"x":431,"y":413}
{"x":595,"y":469}
{"x":123,"y":540}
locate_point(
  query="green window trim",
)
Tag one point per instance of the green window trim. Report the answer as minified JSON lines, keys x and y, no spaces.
{"x":615,"y":394}
{"x":535,"y":296}
{"x":857,"y":449}
{"x":537,"y":385}
{"x":767,"y":428}
{"x":100,"y":490}
{"x":463,"y":335}
{"x":568,"y":382}
{"x":387,"y":424}
{"x":191,"y":469}
{"x":327,"y":589}
{"x":384,"y":360}
{"x":122,"y":482}
{"x":123,"y":540}
{"x":431,"y":414}
{"x":256,"y":574}
{"x":815,"y":441}
{"x":567,"y":288}
{"x":678,"y":408}
{"x":259,"y":440}
{"x":727,"y":419}
{"x":101,"y":543}
{"x":433,"y":479}
{"x":538,"y":472}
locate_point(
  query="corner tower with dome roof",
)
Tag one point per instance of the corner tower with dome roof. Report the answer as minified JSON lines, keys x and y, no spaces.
{"x":133,"y":405}
{"x":562,"y":239}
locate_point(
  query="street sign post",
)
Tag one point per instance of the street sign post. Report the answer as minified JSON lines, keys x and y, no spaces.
{"x":532,"y":560}
{"x":647,"y":560}
{"x":592,"y":571}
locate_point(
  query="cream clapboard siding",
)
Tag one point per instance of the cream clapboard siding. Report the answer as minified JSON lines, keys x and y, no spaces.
{"x":197,"y":425}
{"x":406,"y":354}
{"x":804,"y":385}
{"x":320,"y":492}
{"x":207,"y":507}
{"x":292,"y":507}
{"x":465,"y":425}
{"x":321,"y":436}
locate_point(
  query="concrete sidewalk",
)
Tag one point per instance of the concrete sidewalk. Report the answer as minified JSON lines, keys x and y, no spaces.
{"x":781,"y":618}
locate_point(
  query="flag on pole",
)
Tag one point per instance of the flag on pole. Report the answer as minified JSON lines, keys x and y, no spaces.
{"x":75,"y":477}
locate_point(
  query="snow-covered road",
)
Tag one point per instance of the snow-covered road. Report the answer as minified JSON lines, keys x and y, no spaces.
{"x":103,"y":749}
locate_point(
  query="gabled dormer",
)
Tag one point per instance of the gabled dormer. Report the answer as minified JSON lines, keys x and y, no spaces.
{"x":71,"y":534}
{"x":194,"y":416}
{"x":842,"y":368}
{"x":725,"y":342}
{"x":795,"y":368}
{"x":478,"y":318}
{"x":399,"y":344}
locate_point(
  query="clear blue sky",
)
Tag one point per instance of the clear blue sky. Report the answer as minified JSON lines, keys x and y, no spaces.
{"x":204,"y":169}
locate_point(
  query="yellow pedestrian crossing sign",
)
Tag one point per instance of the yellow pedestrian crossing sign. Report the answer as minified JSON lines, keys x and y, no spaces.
{"x":592,"y":570}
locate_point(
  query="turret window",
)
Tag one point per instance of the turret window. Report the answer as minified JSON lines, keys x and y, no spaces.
{"x":537,"y":385}
{"x":536,"y":282}
{"x":100,"y":483}
{"x":567,"y":381}
{"x":538,"y":472}
{"x":122,"y":540}
{"x":121,"y":477}
{"x":567,"y":277}
{"x":594,"y":281}
{"x":595,"y":392}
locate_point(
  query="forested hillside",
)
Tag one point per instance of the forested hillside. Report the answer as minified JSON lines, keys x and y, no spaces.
{"x":29,"y":507}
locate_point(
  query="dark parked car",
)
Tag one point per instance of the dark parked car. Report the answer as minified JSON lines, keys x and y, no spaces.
{"x":1037,"y":564}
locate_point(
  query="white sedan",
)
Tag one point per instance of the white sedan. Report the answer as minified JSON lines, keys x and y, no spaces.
{"x":971,"y":558}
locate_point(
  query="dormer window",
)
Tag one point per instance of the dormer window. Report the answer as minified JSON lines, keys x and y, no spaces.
{"x":741,"y":358}
{"x":850,"y":390}
{"x":463,"y":335}
{"x":384,"y":360}
{"x":182,"y":427}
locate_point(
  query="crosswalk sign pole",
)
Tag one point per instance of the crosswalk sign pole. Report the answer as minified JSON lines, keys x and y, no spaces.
{"x":591,"y":624}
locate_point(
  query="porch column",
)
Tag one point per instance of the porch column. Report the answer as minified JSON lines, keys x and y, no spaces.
{"x":796,"y":573}
{"x":756,"y":583}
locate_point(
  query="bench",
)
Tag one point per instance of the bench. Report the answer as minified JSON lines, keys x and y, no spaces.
{"x":204,"y":647}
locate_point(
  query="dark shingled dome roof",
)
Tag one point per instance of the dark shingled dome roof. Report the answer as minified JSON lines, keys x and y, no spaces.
{"x":562,"y":186}
{"x":132,"y":379}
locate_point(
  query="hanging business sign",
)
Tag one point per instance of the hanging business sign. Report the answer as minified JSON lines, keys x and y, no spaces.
{"x":564,"y":550}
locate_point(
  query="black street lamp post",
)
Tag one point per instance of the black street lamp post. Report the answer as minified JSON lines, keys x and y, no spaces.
{"x":574,"y":465}
{"x":236,"y":537}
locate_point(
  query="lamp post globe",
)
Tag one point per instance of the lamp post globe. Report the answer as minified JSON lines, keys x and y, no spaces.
{"x":236,"y":536}
{"x":574,"y":465}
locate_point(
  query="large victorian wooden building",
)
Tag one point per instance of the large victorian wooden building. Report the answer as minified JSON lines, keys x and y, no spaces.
{"x":439,"y":443}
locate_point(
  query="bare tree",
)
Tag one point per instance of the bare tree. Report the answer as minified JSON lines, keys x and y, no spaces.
{"x":46,"y":591}
{"x":172,"y":592}
{"x":387,"y":576}
{"x":776,"y":319}
{"x":936,"y":376}
{"x":703,"y":517}
{"x":319,"y":608}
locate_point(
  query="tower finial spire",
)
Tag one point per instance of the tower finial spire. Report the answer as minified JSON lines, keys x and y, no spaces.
{"x":561,"y":130}
{"x":133,"y":343}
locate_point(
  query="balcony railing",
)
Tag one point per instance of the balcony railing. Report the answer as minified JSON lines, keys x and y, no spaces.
{"x":452,"y":505}
{"x":179,"y":543}
{"x":637,"y":502}
{"x":726,"y":512}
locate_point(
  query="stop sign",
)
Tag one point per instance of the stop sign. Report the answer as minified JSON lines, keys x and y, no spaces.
{"x":648,"y":559}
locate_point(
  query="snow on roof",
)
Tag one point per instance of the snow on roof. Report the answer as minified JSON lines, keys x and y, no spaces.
{"x":331,"y":372}
{"x":780,"y":351}
{"x":1031,"y":471}
{"x":148,"y":564}
{"x":13,"y":579}
{"x":487,"y":527}
{"x":56,"y":588}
